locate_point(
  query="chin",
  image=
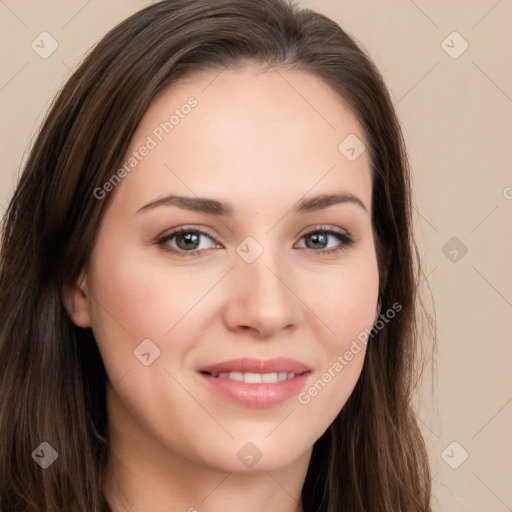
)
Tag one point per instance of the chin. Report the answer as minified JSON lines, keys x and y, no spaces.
{"x":258,"y":455}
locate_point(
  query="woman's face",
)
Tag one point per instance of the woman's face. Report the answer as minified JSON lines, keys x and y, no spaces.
{"x":264,"y":279}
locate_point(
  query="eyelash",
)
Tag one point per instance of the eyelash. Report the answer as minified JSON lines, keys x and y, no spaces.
{"x":344,"y":238}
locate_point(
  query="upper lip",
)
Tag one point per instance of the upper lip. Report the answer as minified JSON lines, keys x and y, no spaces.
{"x":249,"y":365}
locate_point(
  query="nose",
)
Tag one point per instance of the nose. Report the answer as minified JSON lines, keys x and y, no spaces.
{"x":261,"y":298}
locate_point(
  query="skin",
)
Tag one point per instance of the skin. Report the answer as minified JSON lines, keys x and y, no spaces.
{"x":256,"y":143}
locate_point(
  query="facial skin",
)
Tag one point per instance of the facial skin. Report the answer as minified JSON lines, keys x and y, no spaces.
{"x":260,"y":141}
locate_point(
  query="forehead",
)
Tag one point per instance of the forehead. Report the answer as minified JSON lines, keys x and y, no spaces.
{"x":281,"y":132}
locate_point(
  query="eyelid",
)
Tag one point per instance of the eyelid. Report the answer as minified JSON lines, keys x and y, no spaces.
{"x":185,"y":229}
{"x":323,"y":227}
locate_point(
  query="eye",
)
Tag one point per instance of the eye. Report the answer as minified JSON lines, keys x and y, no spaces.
{"x":327,"y":240}
{"x":186,"y":241}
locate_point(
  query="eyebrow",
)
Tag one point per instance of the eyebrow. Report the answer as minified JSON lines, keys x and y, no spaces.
{"x":216,"y":207}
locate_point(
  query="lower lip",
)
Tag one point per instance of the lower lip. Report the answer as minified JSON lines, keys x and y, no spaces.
{"x":257,"y":395}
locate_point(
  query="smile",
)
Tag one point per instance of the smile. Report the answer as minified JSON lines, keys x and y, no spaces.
{"x":256,"y":382}
{"x":255,"y":378}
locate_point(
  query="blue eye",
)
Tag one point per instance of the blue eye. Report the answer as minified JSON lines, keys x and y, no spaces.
{"x":188,"y":241}
{"x":319,"y":239}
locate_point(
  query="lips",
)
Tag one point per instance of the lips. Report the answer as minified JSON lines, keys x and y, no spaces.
{"x":246,"y":365}
{"x":255,"y":382}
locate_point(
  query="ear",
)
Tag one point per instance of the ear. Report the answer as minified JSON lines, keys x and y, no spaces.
{"x":76,"y":301}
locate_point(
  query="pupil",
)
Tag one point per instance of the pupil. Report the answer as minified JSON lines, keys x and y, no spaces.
{"x":191,"y":240}
{"x":318,"y":239}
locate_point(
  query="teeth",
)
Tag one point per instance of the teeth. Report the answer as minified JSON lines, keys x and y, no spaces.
{"x":252,"y":378}
{"x":255,"y":378}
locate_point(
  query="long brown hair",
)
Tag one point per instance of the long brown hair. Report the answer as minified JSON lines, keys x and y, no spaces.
{"x":52,"y":379}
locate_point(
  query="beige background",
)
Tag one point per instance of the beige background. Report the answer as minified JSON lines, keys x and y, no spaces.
{"x":456,"y":115}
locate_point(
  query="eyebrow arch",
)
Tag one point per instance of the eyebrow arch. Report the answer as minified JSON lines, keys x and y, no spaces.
{"x":198,"y":204}
{"x":320,"y":202}
{"x":215,"y":207}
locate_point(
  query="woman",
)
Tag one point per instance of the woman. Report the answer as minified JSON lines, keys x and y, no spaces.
{"x":208,"y":281}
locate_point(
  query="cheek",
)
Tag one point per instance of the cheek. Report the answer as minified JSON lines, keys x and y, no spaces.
{"x":355,"y":307}
{"x":345,"y":299}
{"x":347,"y":309}
{"x":132,"y":301}
{"x":138,"y":295}
{"x":130,"y":304}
